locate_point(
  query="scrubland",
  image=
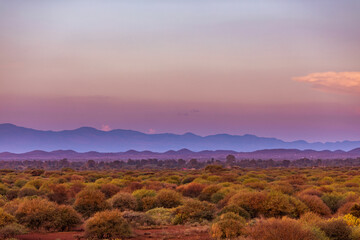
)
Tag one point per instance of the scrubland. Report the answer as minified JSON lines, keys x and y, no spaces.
{"x":209,"y":203}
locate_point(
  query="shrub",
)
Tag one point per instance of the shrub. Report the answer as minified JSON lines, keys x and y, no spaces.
{"x":145,"y":199}
{"x":208,"y":191}
{"x":5,"y":218}
{"x":228,"y":225}
{"x":346,"y":208}
{"x":333,"y":201}
{"x":279,"y":205}
{"x":90,"y":201}
{"x":28,"y":191}
{"x":12,"y":206}
{"x":109,"y":189}
{"x":12,"y":194}
{"x":108,"y":224}
{"x":217,"y":197}
{"x":310,"y":218}
{"x":162,"y":216}
{"x":148,"y":203}
{"x":315,"y":204}
{"x":192,"y":189}
{"x":3,"y":189}
{"x":42,"y":214}
{"x":275,"y":229}
{"x":355,"y":211}
{"x":237,"y":210}
{"x":12,"y":230}
{"x":36,"y":213}
{"x":59,"y":193}
{"x":194,"y":210}
{"x":123,"y":201}
{"x":66,"y":218}
{"x":168,"y":198}
{"x":138,"y":218}
{"x":336,"y":229}
{"x":252,"y":202}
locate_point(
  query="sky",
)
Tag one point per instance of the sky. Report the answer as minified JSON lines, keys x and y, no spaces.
{"x":273,"y":68}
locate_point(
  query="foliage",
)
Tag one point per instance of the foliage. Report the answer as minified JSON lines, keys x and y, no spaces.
{"x":123,"y":201}
{"x":336,"y":229}
{"x":168,"y":198}
{"x":11,"y":230}
{"x":5,"y":218}
{"x":90,"y":201}
{"x":228,"y":225}
{"x":108,"y":224}
{"x":194,"y":211}
{"x":138,"y":218}
{"x":162,"y":216}
{"x":275,"y":229}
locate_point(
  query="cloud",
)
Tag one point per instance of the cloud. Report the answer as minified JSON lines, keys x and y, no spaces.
{"x":105,"y":128}
{"x":333,"y":81}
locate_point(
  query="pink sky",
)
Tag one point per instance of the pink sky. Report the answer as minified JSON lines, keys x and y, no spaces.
{"x":270,"y":68}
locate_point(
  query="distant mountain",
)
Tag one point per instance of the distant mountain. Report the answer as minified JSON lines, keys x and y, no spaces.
{"x":19,"y":139}
{"x":275,"y":154}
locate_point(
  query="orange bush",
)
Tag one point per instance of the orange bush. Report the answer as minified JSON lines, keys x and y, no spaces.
{"x":90,"y":201}
{"x":191,"y":190}
{"x":275,"y":229}
{"x":315,"y":204}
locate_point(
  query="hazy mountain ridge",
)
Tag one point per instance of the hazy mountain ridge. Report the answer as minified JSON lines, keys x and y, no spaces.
{"x":19,"y":139}
{"x":276,"y":154}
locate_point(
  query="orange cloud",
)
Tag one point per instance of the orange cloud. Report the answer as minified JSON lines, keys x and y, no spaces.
{"x":334,"y":81}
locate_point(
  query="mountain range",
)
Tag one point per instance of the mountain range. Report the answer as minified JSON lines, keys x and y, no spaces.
{"x":17,"y":139}
{"x":275,"y":154}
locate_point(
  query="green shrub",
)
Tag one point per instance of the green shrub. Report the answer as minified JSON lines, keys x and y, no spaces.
{"x":3,"y":189}
{"x":28,"y":192}
{"x":336,"y":229}
{"x":108,"y":224}
{"x":138,"y":218}
{"x":123,"y":201}
{"x":194,"y":211}
{"x":237,"y":210}
{"x":66,"y":218}
{"x":5,"y":218}
{"x":145,"y":199}
{"x":228,"y":225}
{"x":208,"y":191}
{"x":12,"y":230}
{"x":168,"y":198}
{"x":162,"y":216}
{"x":333,"y":201}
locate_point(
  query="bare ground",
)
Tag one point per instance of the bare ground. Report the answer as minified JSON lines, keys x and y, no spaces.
{"x":163,"y":233}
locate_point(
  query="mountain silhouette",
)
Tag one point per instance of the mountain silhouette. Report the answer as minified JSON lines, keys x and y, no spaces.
{"x":17,"y":139}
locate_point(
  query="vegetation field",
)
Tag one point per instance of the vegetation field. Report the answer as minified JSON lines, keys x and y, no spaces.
{"x":209,"y":203}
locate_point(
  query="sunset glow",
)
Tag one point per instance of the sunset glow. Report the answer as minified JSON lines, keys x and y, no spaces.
{"x":285,"y":69}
